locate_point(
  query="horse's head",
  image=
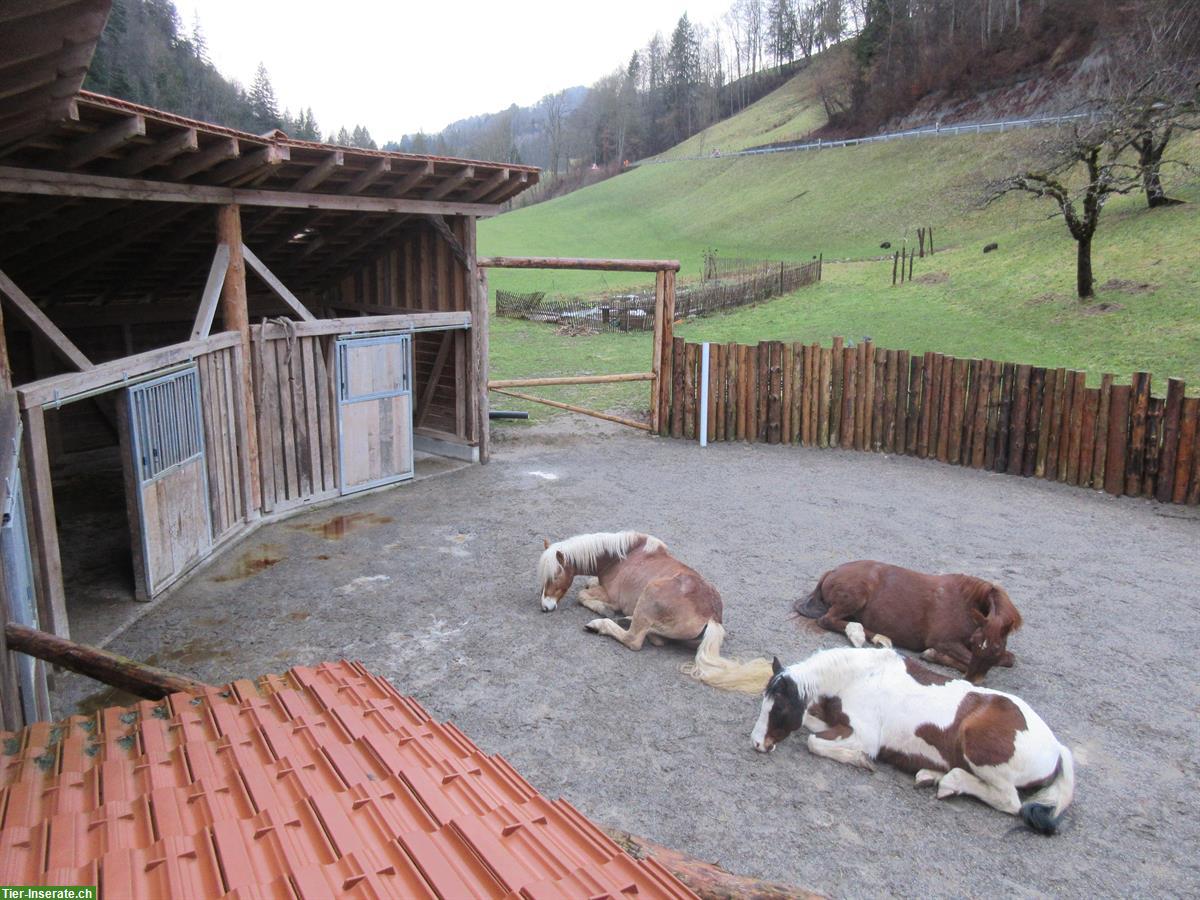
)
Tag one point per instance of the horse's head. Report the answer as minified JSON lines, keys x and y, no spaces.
{"x":556,"y":573}
{"x":782,"y":710}
{"x":989,"y":641}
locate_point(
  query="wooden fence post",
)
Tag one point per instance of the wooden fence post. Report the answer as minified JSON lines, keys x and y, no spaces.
{"x":1118,"y":439}
{"x":1139,"y":407}
{"x":1172,"y":414}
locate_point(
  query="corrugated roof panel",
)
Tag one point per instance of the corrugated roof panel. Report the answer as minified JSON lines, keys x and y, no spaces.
{"x":325,"y":782}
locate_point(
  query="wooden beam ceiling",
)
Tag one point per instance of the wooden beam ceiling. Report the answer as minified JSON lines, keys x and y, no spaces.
{"x":101,"y":142}
{"x":156,"y":154}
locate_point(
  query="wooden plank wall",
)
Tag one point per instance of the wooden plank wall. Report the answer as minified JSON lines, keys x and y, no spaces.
{"x":1003,"y":417}
{"x":297,"y":420}
{"x":222,"y":441}
{"x":419,"y":272}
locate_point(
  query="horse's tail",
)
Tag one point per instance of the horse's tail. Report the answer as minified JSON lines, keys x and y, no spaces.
{"x":727,"y":674}
{"x":814,"y":606}
{"x":1045,"y":810}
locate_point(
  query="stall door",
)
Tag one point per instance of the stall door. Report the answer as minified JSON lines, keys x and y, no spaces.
{"x":171,"y":480}
{"x":17,"y":564}
{"x":374,"y":411}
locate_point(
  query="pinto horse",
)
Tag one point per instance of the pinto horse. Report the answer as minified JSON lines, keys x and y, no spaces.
{"x":863,"y":705}
{"x":953,"y":620}
{"x":635,"y":576}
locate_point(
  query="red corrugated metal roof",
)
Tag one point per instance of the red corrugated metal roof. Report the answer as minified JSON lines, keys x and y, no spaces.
{"x":323,"y":782}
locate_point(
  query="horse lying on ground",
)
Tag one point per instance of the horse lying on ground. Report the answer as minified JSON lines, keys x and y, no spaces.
{"x":636,"y":577}
{"x":953,"y":620}
{"x":863,"y":705}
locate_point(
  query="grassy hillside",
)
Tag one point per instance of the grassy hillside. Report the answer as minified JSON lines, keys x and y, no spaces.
{"x":1015,"y":304}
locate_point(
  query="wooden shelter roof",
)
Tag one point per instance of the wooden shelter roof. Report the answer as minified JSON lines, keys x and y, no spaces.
{"x":77,"y":167}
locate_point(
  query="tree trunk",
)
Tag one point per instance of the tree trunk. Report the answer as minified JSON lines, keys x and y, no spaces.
{"x":1083,"y":269}
{"x":1156,"y":196}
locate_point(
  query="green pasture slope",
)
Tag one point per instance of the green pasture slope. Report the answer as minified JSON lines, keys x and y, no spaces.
{"x":1014,"y":304}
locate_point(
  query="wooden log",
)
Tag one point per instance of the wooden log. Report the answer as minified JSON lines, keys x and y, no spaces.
{"x":1189,"y":426}
{"x":945,"y":421}
{"x":799,"y":386}
{"x":1172,"y":413}
{"x":879,"y":383}
{"x":849,"y":392}
{"x":716,"y":392}
{"x":1055,"y":432}
{"x":740,"y":387}
{"x":608,"y":417}
{"x":866,"y":375}
{"x":806,"y":410}
{"x":1118,"y":439}
{"x":958,"y":400}
{"x":987,"y":372}
{"x":1101,"y":453}
{"x":916,"y":377}
{"x":890,"y":378}
{"x":1033,"y":419}
{"x":658,"y":351}
{"x":824,"y":392}
{"x":764,"y":391}
{"x":836,"y":386}
{"x":707,"y":880}
{"x":936,"y":382}
{"x":666,"y":386}
{"x":926,"y":412}
{"x":786,"y":376}
{"x":667,"y":313}
{"x":678,"y":377}
{"x":993,"y":415}
{"x":1153,"y":447}
{"x":562,"y":262}
{"x":969,"y":405}
{"x":567,"y":379}
{"x":710,"y":424}
{"x":902,"y":374}
{"x":1193,"y":494}
{"x":691,"y":390}
{"x":814,"y":355}
{"x":1087,"y":447}
{"x":731,"y":391}
{"x":43,"y":527}
{"x":1135,"y":458}
{"x":1075,"y":443}
{"x":1017,"y":421}
{"x":751,"y":384}
{"x":106,"y":667}
{"x":1009,"y":376}
{"x":895,"y":263}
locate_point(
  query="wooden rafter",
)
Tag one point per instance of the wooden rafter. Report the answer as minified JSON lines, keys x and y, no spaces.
{"x":202,"y":160}
{"x":488,"y":186}
{"x":367,"y":178}
{"x":411,"y":180}
{"x":156,"y":154}
{"x":101,"y":142}
{"x":451,"y":184}
{"x":277,"y":286}
{"x":212,"y":293}
{"x":249,"y":165}
{"x":510,"y":189}
{"x":311,"y":179}
{"x":37,"y":320}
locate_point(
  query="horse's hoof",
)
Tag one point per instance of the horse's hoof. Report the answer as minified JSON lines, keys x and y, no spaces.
{"x":882,"y":640}
{"x":594,"y":625}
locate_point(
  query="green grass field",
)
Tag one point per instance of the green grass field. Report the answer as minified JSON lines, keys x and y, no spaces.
{"x":1015,"y":304}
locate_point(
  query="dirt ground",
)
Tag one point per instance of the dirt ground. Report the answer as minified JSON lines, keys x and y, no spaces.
{"x":432,"y":586}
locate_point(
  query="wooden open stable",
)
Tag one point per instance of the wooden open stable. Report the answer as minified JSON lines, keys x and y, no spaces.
{"x":254,"y":323}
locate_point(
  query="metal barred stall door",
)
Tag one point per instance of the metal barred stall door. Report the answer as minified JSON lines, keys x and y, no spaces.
{"x":171,"y":477}
{"x":374,"y":390}
{"x":17,"y":564}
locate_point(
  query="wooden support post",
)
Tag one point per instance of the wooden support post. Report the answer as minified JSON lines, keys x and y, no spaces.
{"x":665,"y":338}
{"x":1189,"y":420}
{"x":1118,"y":437}
{"x":235,"y":315}
{"x":108,"y":668}
{"x":1139,"y":406}
{"x":656,"y":366}
{"x":52,"y":604}
{"x":39,"y":323}
{"x":479,"y":338}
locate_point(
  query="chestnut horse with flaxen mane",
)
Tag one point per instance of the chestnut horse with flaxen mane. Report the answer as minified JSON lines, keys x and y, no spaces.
{"x":953,"y":620}
{"x":635,"y":576}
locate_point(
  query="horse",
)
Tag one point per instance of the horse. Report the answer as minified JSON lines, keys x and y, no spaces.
{"x":867,"y":704}
{"x":635,"y":576}
{"x":954,"y":620}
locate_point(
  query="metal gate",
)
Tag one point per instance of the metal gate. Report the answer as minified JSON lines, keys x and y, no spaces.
{"x":171,"y":478}
{"x":374,"y":389}
{"x":17,"y":564}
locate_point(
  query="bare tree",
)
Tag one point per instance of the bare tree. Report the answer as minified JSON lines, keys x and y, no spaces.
{"x":554,"y":108}
{"x":1080,"y":173}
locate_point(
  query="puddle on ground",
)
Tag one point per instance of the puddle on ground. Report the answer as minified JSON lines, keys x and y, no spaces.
{"x":194,"y":652}
{"x":252,"y":562}
{"x":339,"y":526}
{"x":109,"y":696}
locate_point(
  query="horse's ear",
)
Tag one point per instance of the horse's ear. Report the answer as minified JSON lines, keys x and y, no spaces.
{"x":545,"y":544}
{"x":980,"y":618}
{"x":562,"y":560}
{"x":776,"y":665}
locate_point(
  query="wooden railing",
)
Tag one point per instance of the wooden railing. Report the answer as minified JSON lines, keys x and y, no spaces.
{"x":999,"y":416}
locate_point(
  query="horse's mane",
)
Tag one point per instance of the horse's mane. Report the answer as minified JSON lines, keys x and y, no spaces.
{"x":978,"y":594}
{"x":827,"y":670}
{"x":583,"y":551}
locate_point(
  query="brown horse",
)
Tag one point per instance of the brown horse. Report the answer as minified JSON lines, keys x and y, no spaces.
{"x":953,"y":620}
{"x":637,"y":577}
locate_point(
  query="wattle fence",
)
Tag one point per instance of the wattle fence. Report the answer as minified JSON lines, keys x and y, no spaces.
{"x":998,"y":416}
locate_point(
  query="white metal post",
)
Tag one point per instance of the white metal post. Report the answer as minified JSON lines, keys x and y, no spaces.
{"x":704,"y":394}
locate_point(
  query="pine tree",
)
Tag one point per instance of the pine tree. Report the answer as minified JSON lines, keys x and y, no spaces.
{"x":343,"y":138}
{"x":264,"y":108}
{"x":199,"y":44}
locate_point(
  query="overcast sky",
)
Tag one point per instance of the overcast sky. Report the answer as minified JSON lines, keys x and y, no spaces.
{"x":398,"y":67}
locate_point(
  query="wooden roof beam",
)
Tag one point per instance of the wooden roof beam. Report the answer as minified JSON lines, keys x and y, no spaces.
{"x":369,"y":177}
{"x":19,"y":180}
{"x":101,"y":142}
{"x":411,"y":180}
{"x":157,"y":154}
{"x":487,"y":187}
{"x":512,"y":188}
{"x":309,"y":180}
{"x":451,"y":184}
{"x":250,"y":164}
{"x":203,"y":160}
